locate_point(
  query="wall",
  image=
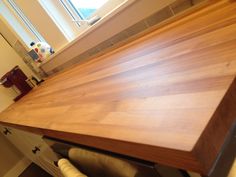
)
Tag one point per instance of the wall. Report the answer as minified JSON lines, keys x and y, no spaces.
{"x":10,"y":156}
{"x":8,"y":59}
{"x":40,"y":19}
{"x":47,"y":27}
{"x":19,"y":46}
{"x":132,"y":14}
{"x":7,"y":33}
{"x":137,"y":11}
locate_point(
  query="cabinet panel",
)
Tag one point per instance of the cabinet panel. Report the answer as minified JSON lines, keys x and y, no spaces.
{"x":48,"y":166}
{"x":34,"y":148}
{"x":18,"y":141}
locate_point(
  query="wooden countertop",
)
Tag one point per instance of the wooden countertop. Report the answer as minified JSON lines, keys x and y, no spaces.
{"x":167,"y":97}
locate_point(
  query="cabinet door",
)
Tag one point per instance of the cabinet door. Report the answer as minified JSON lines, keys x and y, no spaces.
{"x":48,"y":166}
{"x":41,"y":153}
{"x":46,"y":158}
{"x":17,"y":141}
{"x":34,"y":148}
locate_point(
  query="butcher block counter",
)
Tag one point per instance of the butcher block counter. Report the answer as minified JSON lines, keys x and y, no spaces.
{"x":168,"y":97}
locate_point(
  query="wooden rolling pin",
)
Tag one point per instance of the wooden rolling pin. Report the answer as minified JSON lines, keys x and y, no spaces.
{"x":68,"y":170}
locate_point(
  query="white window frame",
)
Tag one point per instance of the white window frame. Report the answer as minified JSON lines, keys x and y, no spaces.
{"x":25,"y":20}
{"x":60,"y":16}
{"x":74,"y":13}
{"x":69,"y":21}
{"x":106,"y":9}
{"x":71,"y":10}
{"x":20,"y":23}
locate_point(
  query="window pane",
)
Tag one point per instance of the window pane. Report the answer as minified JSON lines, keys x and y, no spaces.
{"x":86,"y":8}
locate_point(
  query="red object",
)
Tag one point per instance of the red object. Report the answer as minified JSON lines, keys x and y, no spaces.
{"x":17,"y":78}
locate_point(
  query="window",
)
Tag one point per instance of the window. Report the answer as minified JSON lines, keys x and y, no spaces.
{"x":56,"y":10}
{"x":86,"y":8}
{"x":72,"y":16}
{"x":13,"y":15}
{"x":67,"y":13}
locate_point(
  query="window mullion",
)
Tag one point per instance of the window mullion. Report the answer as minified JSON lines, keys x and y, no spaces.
{"x":76,"y":11}
{"x":71,"y":11}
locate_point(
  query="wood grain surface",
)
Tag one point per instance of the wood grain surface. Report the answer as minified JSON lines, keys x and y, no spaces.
{"x":168,"y":97}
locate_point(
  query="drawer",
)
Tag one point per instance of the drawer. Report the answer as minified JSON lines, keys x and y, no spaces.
{"x":94,"y":162}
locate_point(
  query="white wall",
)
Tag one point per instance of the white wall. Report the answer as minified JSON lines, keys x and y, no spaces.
{"x":134,"y":13}
{"x":43,"y":23}
{"x":13,"y":21}
{"x":10,"y":34}
{"x":54,"y":35}
{"x":7,"y":33}
{"x":8,"y":59}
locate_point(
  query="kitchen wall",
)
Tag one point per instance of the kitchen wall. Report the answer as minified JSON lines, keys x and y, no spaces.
{"x":130,"y":16}
{"x":135,"y":18}
{"x":137,"y":11}
{"x":7,"y":32}
{"x":43,"y":23}
{"x":126,"y":25}
{"x":55,"y":37}
{"x":18,"y":45}
{"x":8,"y":59}
{"x":46,"y":25}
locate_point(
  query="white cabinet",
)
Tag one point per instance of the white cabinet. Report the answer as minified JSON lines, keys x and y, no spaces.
{"x":34,"y":148}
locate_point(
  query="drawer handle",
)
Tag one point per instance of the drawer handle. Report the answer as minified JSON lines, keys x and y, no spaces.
{"x":35,"y":150}
{"x":6,"y":131}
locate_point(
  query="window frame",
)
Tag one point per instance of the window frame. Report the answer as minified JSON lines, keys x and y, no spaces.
{"x":74,"y":12}
{"x":71,"y":11}
{"x":77,"y":12}
{"x":78,"y":24}
{"x":25,"y":20}
{"x":24,"y":30}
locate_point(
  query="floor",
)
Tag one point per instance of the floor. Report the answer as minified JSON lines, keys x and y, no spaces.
{"x":34,"y":171}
